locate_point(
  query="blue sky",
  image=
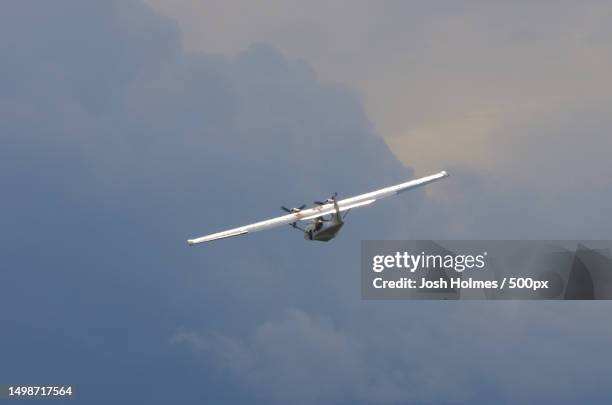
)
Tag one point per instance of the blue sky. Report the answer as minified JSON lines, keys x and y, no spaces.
{"x":118,"y":144}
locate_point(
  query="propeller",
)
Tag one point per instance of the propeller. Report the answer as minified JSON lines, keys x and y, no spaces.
{"x":293,"y":210}
{"x":328,"y":201}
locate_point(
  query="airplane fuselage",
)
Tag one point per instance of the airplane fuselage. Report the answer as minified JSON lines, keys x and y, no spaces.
{"x":322,"y":231}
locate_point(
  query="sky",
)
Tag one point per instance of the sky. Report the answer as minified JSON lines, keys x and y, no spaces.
{"x":125,"y":130}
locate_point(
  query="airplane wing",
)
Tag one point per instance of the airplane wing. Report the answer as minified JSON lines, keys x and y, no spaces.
{"x":368,"y":198}
{"x":310,"y":213}
{"x":243,"y":230}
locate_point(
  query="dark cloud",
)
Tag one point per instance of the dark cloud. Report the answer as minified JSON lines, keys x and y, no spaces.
{"x":117,"y":146}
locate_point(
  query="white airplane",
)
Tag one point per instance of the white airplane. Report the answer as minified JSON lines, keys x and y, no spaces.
{"x":326,"y":218}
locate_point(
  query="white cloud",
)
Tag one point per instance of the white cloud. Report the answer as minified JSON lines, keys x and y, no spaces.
{"x":449,"y":352}
{"x":450,"y":83}
{"x":298,"y":359}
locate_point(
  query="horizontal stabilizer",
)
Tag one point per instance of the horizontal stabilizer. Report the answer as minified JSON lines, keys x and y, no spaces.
{"x":331,"y":209}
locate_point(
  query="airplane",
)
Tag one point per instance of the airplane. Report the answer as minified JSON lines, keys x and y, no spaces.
{"x":325,"y":220}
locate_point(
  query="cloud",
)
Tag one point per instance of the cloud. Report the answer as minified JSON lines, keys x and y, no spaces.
{"x":450,"y":84}
{"x":457,"y":356}
{"x":298,"y":359}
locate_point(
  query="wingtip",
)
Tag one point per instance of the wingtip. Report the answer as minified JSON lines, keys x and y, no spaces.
{"x":190,"y":242}
{"x":444,"y":173}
